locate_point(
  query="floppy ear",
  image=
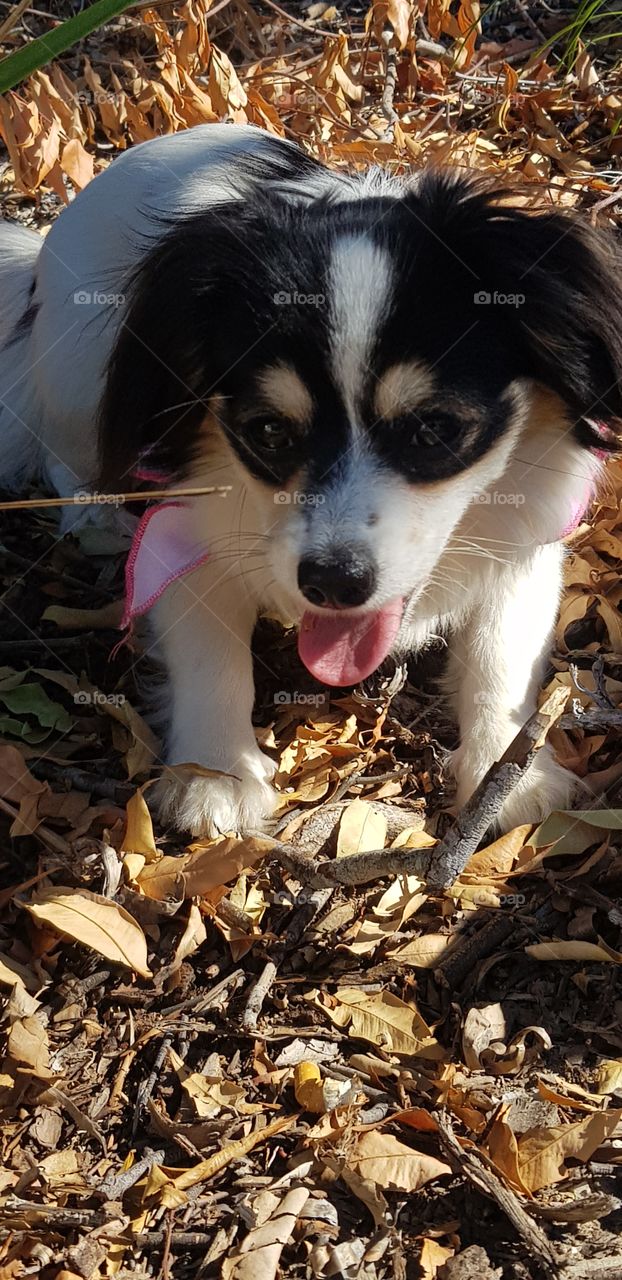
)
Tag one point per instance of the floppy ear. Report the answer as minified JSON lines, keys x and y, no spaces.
{"x":152,"y":403}
{"x":567,"y":277}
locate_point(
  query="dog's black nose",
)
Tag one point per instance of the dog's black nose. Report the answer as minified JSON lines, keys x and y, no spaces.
{"x":341,"y":583}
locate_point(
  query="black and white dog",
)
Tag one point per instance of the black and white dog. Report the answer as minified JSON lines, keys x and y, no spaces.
{"x":409,"y":386}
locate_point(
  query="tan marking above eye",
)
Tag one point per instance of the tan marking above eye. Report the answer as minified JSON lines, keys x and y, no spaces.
{"x":284,"y":391}
{"x":403,"y":387}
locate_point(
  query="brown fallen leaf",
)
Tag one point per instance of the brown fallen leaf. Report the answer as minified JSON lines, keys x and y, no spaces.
{"x":95,"y":922}
{"x":597,"y":953}
{"x":381,"y":1018}
{"x":609,"y":1079}
{"x":257,"y":1257}
{"x":138,"y":837}
{"x":380,"y":1157}
{"x":483,"y":1026}
{"x":542,"y":1153}
{"x":361,"y":829}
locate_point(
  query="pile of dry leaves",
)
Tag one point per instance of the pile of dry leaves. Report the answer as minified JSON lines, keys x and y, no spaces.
{"x":212,"y":1066}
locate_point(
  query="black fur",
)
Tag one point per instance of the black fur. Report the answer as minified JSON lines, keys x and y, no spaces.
{"x":205,"y":318}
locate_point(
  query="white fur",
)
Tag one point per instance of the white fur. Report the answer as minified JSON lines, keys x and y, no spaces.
{"x":447,"y":547}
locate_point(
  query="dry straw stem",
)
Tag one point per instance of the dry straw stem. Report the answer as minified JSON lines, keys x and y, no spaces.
{"x":441,"y":866}
{"x":142,"y":495}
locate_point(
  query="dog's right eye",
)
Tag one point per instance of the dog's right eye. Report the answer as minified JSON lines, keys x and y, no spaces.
{"x":271,"y":435}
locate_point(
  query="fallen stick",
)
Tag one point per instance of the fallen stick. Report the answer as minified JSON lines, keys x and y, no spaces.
{"x":259,"y":991}
{"x":442,"y":865}
{"x":474,"y":1166}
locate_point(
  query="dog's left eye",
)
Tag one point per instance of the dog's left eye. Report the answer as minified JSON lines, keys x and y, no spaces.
{"x":271,"y":435}
{"x":433,"y":430}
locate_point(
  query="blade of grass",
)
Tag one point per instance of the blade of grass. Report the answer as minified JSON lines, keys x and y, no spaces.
{"x":44,"y":49}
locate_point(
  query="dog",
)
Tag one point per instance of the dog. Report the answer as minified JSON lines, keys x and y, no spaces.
{"x":407,"y":387}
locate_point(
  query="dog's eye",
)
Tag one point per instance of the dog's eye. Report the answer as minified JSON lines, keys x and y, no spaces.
{"x":272,"y":435}
{"x":431,"y":430}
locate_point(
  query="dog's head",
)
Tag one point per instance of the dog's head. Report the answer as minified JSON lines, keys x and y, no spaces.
{"x":369,"y":363}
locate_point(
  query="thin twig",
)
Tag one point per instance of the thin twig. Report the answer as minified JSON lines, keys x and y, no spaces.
{"x":13,"y":18}
{"x":112,"y":499}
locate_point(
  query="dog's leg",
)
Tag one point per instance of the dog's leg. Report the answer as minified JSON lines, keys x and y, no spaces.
{"x":498,"y":658}
{"x":204,"y":629}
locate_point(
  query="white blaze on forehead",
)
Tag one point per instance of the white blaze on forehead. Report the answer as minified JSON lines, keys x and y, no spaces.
{"x":360,"y":279}
{"x":285,"y":391}
{"x":403,"y":387}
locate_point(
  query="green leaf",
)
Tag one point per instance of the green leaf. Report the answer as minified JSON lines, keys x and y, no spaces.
{"x":32,"y":700}
{"x":37,"y":53}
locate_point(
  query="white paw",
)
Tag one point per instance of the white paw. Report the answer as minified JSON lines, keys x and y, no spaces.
{"x":545,"y":787}
{"x":210,"y":806}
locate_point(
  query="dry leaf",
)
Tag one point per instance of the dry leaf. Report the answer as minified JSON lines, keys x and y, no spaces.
{"x":380,"y":1158}
{"x":95,"y":922}
{"x":382,"y":1019}
{"x":542,"y":1153}
{"x":361,"y":829}
{"x":257,"y":1257}
{"x":138,"y":837}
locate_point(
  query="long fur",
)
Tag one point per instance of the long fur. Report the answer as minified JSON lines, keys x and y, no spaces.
{"x":409,"y":385}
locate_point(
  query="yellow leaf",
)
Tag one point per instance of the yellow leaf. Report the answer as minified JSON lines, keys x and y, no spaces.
{"x":574,"y":950}
{"x":381,"y":1158}
{"x":95,"y":922}
{"x":424,"y":952}
{"x":361,"y":829}
{"x":432,"y":1256}
{"x":138,"y":836}
{"x":542,"y":1153}
{"x":382,"y":1019}
{"x":315,"y":1094}
{"x":609,"y":1079}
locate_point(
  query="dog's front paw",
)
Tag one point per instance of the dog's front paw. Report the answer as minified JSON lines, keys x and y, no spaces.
{"x":208,"y":806}
{"x":546,"y":786}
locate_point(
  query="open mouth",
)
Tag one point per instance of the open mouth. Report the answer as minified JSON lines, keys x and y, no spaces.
{"x":343,"y":648}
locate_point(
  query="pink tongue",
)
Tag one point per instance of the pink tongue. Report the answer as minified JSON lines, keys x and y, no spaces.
{"x":340,"y":649}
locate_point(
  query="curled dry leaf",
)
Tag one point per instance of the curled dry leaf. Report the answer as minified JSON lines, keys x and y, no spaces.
{"x":95,"y":922}
{"x":257,"y":1258}
{"x":483,"y":1027}
{"x":380,"y":1158}
{"x":315,"y":1094}
{"x":138,"y":836}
